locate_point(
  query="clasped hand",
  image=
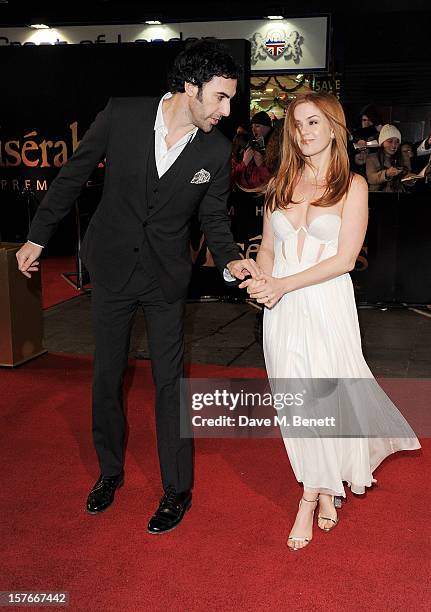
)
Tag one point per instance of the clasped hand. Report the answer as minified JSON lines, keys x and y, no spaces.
{"x":264,"y":289}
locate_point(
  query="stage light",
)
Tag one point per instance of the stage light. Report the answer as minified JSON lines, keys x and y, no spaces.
{"x":39,"y":26}
{"x":153,"y":22}
{"x":274,"y":17}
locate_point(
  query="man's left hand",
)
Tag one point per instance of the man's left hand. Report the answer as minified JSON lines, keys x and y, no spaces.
{"x":240,"y":268}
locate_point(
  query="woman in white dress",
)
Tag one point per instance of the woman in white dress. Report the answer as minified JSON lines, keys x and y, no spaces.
{"x":315,"y":221}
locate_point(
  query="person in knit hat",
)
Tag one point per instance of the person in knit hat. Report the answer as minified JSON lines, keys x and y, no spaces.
{"x":261,"y":127}
{"x":392,"y":133}
{"x":262,"y":118}
{"x":384,"y":168}
{"x":252,"y":172}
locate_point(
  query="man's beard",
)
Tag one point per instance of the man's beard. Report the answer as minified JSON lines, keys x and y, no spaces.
{"x":205,"y":124}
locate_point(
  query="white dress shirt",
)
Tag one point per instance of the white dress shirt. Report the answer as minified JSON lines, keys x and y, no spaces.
{"x":165,"y":157}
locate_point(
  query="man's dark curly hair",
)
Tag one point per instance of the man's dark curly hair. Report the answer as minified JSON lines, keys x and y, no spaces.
{"x":199,"y":62}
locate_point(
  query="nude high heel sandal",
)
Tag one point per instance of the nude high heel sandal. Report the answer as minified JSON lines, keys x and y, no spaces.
{"x":302,"y":538}
{"x":337,"y":504}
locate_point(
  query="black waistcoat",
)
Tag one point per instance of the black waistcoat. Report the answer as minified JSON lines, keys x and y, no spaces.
{"x":157,"y":188}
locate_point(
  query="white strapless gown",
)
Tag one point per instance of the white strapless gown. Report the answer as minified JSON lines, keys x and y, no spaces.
{"x":314,"y":333}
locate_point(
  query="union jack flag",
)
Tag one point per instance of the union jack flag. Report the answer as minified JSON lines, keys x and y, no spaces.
{"x":275,"y":47}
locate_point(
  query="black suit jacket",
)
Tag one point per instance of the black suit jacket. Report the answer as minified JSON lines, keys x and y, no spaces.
{"x":124,"y":133}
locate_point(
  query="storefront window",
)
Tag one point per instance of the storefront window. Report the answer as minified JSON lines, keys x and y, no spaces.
{"x":272,"y":93}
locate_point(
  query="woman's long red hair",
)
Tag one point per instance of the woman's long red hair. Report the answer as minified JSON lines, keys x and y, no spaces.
{"x":281,"y":187}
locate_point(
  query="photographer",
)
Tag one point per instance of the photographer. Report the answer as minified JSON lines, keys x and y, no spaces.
{"x":252,"y":171}
{"x":384,"y":168}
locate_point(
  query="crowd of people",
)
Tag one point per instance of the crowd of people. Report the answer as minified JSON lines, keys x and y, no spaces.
{"x":377,"y":151}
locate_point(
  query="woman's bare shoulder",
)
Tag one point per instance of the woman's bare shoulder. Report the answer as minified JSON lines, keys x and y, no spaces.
{"x":358,"y":187}
{"x":357,"y":194}
{"x":357,"y":184}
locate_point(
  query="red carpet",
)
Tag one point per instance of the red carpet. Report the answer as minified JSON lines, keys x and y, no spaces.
{"x":229,"y":553}
{"x":54,"y":288}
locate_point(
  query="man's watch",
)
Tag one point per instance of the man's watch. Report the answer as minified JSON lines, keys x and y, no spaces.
{"x":228,"y":277}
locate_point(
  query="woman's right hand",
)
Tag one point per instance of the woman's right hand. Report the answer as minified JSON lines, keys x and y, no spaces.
{"x":393,"y":171}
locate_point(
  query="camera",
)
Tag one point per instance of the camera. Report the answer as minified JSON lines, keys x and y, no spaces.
{"x":258,"y":144}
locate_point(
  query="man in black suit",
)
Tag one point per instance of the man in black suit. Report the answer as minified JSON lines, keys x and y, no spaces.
{"x":164,"y":161}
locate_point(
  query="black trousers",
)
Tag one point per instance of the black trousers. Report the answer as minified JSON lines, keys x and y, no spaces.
{"x":113,"y":315}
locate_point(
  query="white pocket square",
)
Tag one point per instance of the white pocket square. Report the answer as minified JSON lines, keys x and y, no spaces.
{"x":203,"y":176}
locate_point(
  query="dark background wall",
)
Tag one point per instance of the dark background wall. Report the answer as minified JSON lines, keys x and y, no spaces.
{"x":385,"y":58}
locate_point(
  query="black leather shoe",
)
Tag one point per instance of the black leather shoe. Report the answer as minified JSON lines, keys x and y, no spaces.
{"x":102,"y":494}
{"x":170,"y":512}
